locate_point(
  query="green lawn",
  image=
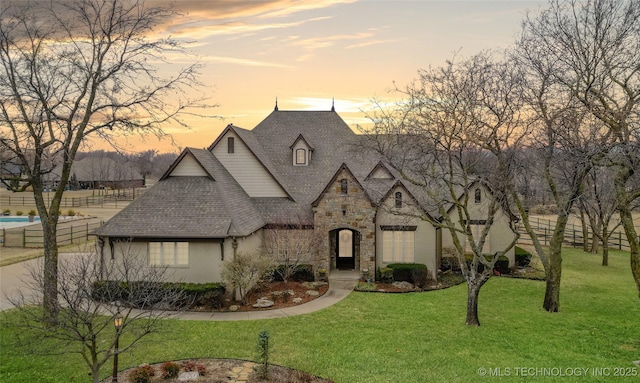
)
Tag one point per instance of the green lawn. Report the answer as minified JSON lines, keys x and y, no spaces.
{"x":416,"y":337}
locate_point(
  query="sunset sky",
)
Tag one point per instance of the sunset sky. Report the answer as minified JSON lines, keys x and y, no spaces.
{"x":307,"y":52}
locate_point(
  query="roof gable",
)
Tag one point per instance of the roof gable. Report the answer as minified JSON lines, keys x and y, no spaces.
{"x":333,"y":179}
{"x":380,"y":171}
{"x":187,"y":164}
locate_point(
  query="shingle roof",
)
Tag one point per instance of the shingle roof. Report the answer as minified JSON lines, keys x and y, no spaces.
{"x":189,"y":207}
{"x":217,"y":207}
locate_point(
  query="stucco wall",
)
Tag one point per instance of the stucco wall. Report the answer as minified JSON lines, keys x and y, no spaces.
{"x":409,"y":214}
{"x":500,"y":234}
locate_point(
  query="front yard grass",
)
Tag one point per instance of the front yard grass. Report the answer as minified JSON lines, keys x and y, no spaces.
{"x":413,"y":337}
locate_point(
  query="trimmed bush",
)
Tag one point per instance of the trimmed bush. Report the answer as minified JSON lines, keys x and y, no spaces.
{"x":137,"y":293}
{"x":403,"y":272}
{"x":523,"y":257}
{"x":386,"y":275}
{"x":502,"y":265}
{"x":420,"y":277}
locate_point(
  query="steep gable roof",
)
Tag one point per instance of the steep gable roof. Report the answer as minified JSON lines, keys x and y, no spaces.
{"x":189,"y":207}
{"x":333,"y":179}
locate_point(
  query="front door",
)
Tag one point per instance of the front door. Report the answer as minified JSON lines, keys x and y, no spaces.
{"x":346,"y":258}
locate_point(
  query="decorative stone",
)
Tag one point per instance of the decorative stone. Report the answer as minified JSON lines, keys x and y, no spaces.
{"x":297,"y":301}
{"x":262,"y":303}
{"x":188,"y":376}
{"x":314,"y":285}
{"x":312,"y":293}
{"x":403,"y":285}
{"x":234,"y":308}
{"x":636,"y":362}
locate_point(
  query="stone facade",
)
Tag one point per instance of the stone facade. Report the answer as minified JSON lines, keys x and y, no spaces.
{"x":353,"y":210}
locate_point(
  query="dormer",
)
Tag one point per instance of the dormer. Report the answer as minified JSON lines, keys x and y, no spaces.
{"x":380,"y":172}
{"x":301,"y":152}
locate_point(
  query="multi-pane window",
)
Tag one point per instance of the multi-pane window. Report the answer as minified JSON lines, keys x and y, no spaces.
{"x":168,"y":253}
{"x":398,"y":246}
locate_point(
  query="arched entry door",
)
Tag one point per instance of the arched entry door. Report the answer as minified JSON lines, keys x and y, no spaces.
{"x":345,"y":249}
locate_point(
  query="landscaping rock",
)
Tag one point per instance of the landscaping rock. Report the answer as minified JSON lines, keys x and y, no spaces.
{"x":312,"y":293}
{"x":234,"y":308}
{"x":403,"y":285}
{"x":283,"y":293}
{"x":188,"y":376}
{"x":262,"y":303}
{"x":636,"y":362}
{"x":297,"y":301}
{"x":314,"y":285}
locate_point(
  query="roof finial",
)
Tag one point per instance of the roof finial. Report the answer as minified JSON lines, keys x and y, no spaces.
{"x":276,"y":108}
{"x":333,"y":102}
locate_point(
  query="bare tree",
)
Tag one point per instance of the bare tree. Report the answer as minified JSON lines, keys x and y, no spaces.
{"x":437,"y":140}
{"x":595,"y":46}
{"x":244,"y":271}
{"x":600,"y":205}
{"x":92,"y":295}
{"x":70,"y":70}
{"x":290,"y":242}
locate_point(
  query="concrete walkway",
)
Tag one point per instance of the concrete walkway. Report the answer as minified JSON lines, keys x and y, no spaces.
{"x":14,"y":277}
{"x":341,"y":283}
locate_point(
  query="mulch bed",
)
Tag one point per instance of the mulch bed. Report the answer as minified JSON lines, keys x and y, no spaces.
{"x":218,"y":371}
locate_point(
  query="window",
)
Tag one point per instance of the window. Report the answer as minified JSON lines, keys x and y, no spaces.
{"x":344,"y":186}
{"x":230,"y":145}
{"x":478,"y":196}
{"x":398,"y":200}
{"x":398,"y":246}
{"x":168,"y":253}
{"x":301,"y":157}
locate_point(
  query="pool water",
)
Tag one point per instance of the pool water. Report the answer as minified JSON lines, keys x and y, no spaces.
{"x":7,"y":222}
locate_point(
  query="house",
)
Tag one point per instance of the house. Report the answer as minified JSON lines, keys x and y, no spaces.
{"x":294,"y":165}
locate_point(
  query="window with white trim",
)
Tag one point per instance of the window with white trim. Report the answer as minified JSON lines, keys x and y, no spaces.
{"x":398,"y":246}
{"x":169,"y":253}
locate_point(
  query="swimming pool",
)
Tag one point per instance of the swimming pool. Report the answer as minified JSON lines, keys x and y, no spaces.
{"x":7,"y":222}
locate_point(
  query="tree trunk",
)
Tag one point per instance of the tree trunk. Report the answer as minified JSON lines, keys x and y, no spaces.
{"x":554,"y":272}
{"x":585,"y":231}
{"x":472,"y":304}
{"x":605,"y":244}
{"x":624,"y":201}
{"x":50,"y":296}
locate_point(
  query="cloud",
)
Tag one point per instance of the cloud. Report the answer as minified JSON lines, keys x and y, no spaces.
{"x":313,"y":44}
{"x":245,"y":62}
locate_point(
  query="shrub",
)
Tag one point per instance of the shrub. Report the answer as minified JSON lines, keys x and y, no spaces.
{"x":201,"y":294}
{"x":403,"y":272}
{"x":6,"y":212}
{"x":141,"y":374}
{"x":366,"y":286}
{"x":244,"y":271}
{"x":523,"y":257}
{"x":450,"y":263}
{"x":302,"y":273}
{"x":262,"y":369}
{"x":32,"y":212}
{"x":71,"y":212}
{"x":192,"y":366}
{"x":386,"y":275}
{"x":170,"y":370}
{"x":502,"y":265}
{"x":19,"y":212}
{"x":202,"y":369}
{"x":420,"y":277}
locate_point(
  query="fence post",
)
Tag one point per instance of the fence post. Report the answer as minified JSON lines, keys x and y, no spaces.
{"x":619,"y":240}
{"x":71,"y":231}
{"x":545,"y":236}
{"x":4,"y":237}
{"x":24,"y":236}
{"x":86,"y":233}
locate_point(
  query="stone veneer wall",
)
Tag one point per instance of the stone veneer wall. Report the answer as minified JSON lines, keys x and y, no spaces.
{"x":359,"y":215}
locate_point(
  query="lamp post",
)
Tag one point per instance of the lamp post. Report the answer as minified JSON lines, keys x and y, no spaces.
{"x":117,"y":323}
